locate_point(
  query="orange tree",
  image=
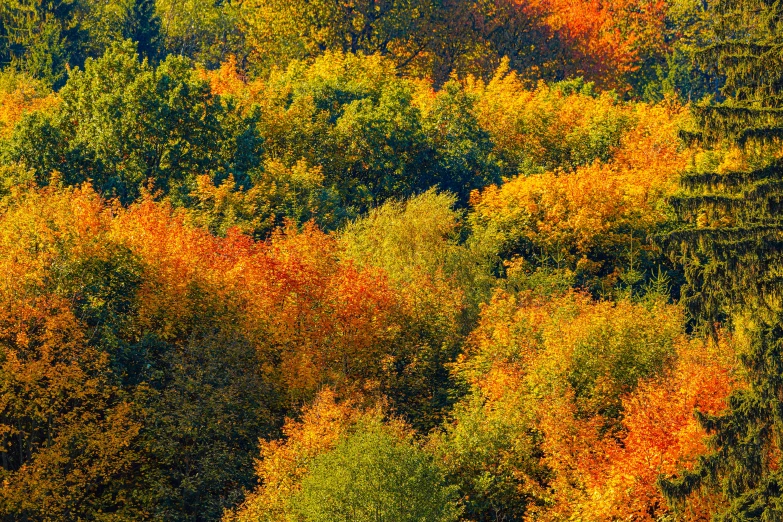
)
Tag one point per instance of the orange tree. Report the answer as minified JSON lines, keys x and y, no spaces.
{"x":601,"y":398}
{"x":181,"y":349}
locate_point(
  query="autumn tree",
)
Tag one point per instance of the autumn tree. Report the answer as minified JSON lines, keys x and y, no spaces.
{"x":542,"y":406}
{"x":284,"y":462}
{"x":281,"y":31}
{"x":593,"y":221}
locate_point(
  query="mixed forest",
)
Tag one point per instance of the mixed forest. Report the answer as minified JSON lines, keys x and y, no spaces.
{"x":391,"y":260}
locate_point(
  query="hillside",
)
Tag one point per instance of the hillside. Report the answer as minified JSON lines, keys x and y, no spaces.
{"x":391,"y":260}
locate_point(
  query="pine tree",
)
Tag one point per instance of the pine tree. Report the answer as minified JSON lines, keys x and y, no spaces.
{"x":731,"y":246}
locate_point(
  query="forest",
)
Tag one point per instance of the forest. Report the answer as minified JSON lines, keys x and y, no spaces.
{"x":391,"y":260}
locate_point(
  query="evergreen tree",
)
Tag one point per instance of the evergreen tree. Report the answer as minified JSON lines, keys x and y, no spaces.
{"x":143,"y":27}
{"x":43,"y":37}
{"x":732,"y":249}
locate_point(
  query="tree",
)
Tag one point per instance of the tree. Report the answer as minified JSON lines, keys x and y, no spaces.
{"x":204,"y":30}
{"x":372,"y":475}
{"x":44,"y":37}
{"x":730,"y":246}
{"x":284,"y":462}
{"x":280,"y":30}
{"x":353,"y":116}
{"x":143,"y":27}
{"x":591,"y":221}
{"x":464,"y":158}
{"x":491,"y":450}
{"x":160,"y":125}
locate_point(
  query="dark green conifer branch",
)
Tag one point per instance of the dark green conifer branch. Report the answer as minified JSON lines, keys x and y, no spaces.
{"x":731,"y":246}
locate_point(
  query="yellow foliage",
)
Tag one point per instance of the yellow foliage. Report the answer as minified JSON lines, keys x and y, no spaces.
{"x":22,"y":96}
{"x":589,"y":219}
{"x":283,"y":463}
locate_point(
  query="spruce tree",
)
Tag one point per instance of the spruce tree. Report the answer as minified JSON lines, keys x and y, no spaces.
{"x":731,"y":245}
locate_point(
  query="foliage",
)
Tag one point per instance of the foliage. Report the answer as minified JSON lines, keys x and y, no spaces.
{"x":304,"y":476}
{"x":283,"y":463}
{"x":594,"y":221}
{"x":551,"y":431}
{"x":407,"y":256}
{"x":492,"y":452}
{"x":372,"y":475}
{"x":20,"y":95}
{"x":279,"y":195}
{"x":280,"y":31}
{"x":155,"y":124}
{"x":43,"y":37}
{"x":728,"y":243}
{"x":565,"y":125}
{"x":206,"y":31}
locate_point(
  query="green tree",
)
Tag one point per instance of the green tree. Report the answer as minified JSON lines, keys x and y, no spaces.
{"x":731,"y":250}
{"x":205,"y":30}
{"x":491,"y":450}
{"x":353,"y":116}
{"x":143,"y":27}
{"x":464,"y":156}
{"x":374,"y":476}
{"x":43,"y":37}
{"x":123,"y":123}
{"x":425,"y":235}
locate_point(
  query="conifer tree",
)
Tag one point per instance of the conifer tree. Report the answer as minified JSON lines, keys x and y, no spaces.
{"x":143,"y":27}
{"x":731,"y":246}
{"x":43,"y":37}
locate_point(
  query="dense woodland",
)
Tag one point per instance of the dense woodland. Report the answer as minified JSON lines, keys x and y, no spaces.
{"x":391,"y":260}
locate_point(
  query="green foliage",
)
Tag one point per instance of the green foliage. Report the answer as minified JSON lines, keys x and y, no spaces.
{"x":191,"y":468}
{"x":633,"y":348}
{"x":43,"y":37}
{"x":423,"y":235}
{"x":419,"y":243}
{"x":372,"y":475}
{"x":143,"y":26}
{"x":156,"y":127}
{"x":368,"y":130}
{"x":204,"y":30}
{"x":491,"y":451}
{"x":355,"y":118}
{"x":464,"y":159}
{"x":278,"y":196}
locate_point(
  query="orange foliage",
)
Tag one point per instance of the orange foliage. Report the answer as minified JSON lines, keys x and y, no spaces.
{"x":612,"y":387}
{"x":228,"y":81}
{"x":615,"y":477}
{"x":605,"y":40}
{"x":64,"y":429}
{"x":321,"y":320}
{"x":315,"y":319}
